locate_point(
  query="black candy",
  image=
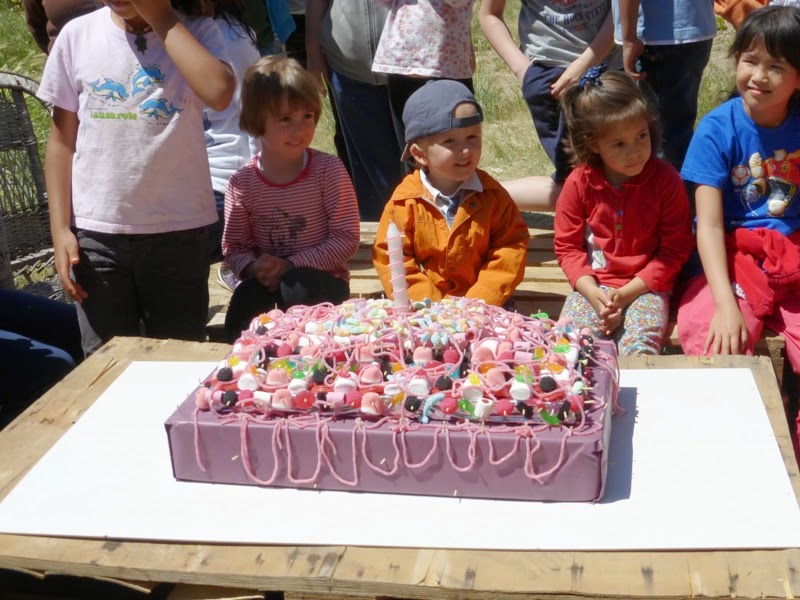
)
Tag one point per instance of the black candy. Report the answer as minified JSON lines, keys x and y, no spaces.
{"x":229,"y":398}
{"x":526,"y":410}
{"x":318,"y":376}
{"x":225,"y":374}
{"x":563,"y":412}
{"x":413,"y":403}
{"x":444,"y":383}
{"x":548,"y":384}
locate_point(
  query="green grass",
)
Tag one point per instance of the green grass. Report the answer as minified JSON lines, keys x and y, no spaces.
{"x":511,"y":148}
{"x":18,"y":52}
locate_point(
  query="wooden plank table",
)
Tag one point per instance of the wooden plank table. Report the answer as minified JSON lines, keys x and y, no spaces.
{"x":358,"y":572}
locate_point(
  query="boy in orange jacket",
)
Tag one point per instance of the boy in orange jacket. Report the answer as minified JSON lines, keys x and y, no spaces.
{"x":463,"y":234}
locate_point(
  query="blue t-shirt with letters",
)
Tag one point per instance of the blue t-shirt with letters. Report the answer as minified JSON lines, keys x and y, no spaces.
{"x":756,"y":168}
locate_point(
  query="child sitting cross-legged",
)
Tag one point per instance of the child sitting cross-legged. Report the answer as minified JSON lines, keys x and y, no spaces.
{"x":463,"y":234}
{"x":291,"y":217}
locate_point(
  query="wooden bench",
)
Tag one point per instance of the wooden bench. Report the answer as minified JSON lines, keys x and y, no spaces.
{"x":544,"y":288}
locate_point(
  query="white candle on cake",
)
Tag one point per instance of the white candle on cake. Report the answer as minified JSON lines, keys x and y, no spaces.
{"x":394,"y":241}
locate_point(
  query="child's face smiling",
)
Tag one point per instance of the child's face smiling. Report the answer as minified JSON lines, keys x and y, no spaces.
{"x":766,"y":85}
{"x":624,"y":149}
{"x":288,"y":132}
{"x":451,"y":157}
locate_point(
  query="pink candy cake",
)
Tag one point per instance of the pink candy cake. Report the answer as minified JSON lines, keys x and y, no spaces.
{"x":454,"y":398}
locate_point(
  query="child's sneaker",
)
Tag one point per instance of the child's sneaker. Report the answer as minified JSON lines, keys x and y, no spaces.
{"x":226,"y":277}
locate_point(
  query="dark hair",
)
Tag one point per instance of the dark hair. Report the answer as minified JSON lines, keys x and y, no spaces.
{"x":233,"y":11}
{"x":191,"y":8}
{"x":267,"y":82}
{"x":775,"y":26}
{"x":591,"y":108}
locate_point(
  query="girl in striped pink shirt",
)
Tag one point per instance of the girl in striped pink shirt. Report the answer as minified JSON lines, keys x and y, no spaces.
{"x":291,"y":217}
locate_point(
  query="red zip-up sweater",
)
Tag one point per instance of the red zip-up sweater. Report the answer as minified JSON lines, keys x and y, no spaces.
{"x":641,"y":229}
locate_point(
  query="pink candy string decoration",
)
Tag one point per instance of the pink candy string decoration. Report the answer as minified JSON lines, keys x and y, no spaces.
{"x":197,"y":456}
{"x":377,"y":468}
{"x":471,"y":451}
{"x":424,"y":461}
{"x":245,"y":452}
{"x":394,"y":241}
{"x":499,"y":461}
{"x":290,"y":461}
{"x":325,"y":440}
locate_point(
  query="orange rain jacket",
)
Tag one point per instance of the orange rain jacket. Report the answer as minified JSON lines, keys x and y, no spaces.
{"x":734,"y":11}
{"x":482,"y":256}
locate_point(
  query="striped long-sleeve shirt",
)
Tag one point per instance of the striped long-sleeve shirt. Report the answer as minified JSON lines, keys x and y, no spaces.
{"x":311,"y":221}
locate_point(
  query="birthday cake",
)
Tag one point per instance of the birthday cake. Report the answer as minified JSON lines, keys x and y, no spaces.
{"x":455,"y":398}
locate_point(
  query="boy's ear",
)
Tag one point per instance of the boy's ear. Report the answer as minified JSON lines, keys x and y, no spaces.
{"x":418,"y":154}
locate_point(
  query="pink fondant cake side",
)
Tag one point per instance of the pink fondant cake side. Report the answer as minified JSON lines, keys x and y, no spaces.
{"x":509,"y":460}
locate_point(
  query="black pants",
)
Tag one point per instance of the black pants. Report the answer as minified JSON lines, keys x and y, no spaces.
{"x":548,"y":118}
{"x":674,"y":73}
{"x":158,"y":280}
{"x":301,"y":286}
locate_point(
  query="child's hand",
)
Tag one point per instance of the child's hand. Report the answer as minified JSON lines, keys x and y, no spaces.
{"x":317,"y":65}
{"x":599,"y":300}
{"x":610,"y":315}
{"x":611,"y":321}
{"x":631,"y":51}
{"x":570,"y":75}
{"x":619,"y":298}
{"x":270,"y":270}
{"x":727,"y":333}
{"x":65,"y":246}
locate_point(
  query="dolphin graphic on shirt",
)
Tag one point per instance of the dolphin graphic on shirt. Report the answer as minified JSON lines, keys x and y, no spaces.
{"x":146,"y":77}
{"x":158,"y":109}
{"x":109,"y":89}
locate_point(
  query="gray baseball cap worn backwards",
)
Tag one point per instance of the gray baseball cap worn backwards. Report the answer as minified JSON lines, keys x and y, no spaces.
{"x":429,"y":110}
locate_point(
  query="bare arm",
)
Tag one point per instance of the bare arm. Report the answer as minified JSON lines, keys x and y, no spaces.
{"x":317,"y":65}
{"x":211,"y":79}
{"x":496,"y":31}
{"x":533,"y":193}
{"x":594,"y":54}
{"x":632,"y":46}
{"x":727,"y":333}
{"x":58,"y":176}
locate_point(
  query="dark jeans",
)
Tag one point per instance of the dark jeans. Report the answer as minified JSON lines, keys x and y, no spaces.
{"x":673,"y":81}
{"x":400,"y":88}
{"x":548,"y":118}
{"x":40,"y":343}
{"x":368,"y":129}
{"x":215,"y":229}
{"x":296,"y":43}
{"x":296,"y":49}
{"x":301,"y":286}
{"x":151,"y":284}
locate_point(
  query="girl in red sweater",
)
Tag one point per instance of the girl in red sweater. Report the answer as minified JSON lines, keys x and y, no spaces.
{"x":622,"y":228}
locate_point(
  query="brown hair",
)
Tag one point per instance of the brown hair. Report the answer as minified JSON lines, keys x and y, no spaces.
{"x":267,"y":82}
{"x":597,"y":105}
